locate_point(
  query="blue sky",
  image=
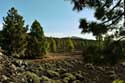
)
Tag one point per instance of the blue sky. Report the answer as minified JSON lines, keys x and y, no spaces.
{"x":55,"y":16}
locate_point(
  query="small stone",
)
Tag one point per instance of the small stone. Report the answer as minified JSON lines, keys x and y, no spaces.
{"x":4,"y":77}
{"x":14,"y":67}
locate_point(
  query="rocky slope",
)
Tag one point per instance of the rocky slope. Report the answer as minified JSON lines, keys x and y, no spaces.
{"x":9,"y":73}
{"x":66,"y":71}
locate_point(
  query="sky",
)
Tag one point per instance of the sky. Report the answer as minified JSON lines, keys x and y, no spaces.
{"x":56,"y":16}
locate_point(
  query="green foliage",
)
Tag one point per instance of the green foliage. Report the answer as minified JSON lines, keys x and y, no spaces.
{"x":62,"y":44}
{"x":69,"y":45}
{"x":14,"y":34}
{"x":52,"y":73}
{"x":69,"y":76}
{"x":110,"y":19}
{"x":46,"y":47}
{"x":45,"y":78}
{"x":83,"y":23}
{"x":110,"y":52}
{"x":37,"y":45}
{"x":93,"y":54}
{"x":94,"y":27}
{"x":76,"y":81}
{"x":99,"y":13}
{"x":32,"y":77}
{"x":53,"y":45}
{"x":105,"y":11}
{"x":118,"y":81}
{"x":113,"y":52}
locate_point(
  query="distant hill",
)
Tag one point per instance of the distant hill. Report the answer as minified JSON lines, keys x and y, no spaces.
{"x":73,"y":38}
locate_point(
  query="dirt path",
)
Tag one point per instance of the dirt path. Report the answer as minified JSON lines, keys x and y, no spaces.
{"x":59,"y":56}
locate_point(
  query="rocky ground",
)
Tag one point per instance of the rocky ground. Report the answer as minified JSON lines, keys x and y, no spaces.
{"x":62,"y":71}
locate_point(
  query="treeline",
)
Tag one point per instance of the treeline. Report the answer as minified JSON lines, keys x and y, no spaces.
{"x":69,"y":44}
{"x":17,"y":40}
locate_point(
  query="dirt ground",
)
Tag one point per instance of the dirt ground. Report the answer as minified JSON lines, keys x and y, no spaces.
{"x":60,"y":56}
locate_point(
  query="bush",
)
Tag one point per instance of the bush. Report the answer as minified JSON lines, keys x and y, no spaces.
{"x":45,"y":79}
{"x":79,"y":76}
{"x":52,"y":73}
{"x":76,"y":81}
{"x":112,"y":52}
{"x":118,"y":81}
{"x":69,"y":76}
{"x":32,"y":77}
{"x":92,"y":54}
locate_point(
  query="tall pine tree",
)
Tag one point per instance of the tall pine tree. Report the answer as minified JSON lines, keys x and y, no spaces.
{"x":14,"y":33}
{"x":36,"y":41}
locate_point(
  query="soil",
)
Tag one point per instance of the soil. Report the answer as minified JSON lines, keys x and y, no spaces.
{"x":59,"y":56}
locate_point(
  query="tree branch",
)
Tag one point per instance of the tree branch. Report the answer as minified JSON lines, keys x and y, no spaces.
{"x":115,"y":6}
{"x":115,"y":19}
{"x":111,"y":11}
{"x":121,"y":38}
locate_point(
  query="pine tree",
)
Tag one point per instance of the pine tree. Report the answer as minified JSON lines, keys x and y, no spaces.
{"x":14,"y":34}
{"x":69,"y":45}
{"x":36,"y":41}
{"x":53,"y":45}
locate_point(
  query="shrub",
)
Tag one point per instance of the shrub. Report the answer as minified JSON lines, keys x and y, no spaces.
{"x":112,"y":52}
{"x":52,"y":73}
{"x":92,"y":54}
{"x":79,"y":76}
{"x":32,"y":77}
{"x":69,"y":76}
{"x":118,"y":81}
{"x":45,"y":79}
{"x":76,"y":81}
